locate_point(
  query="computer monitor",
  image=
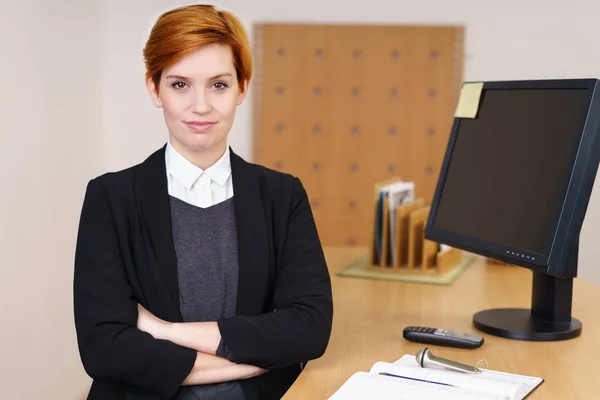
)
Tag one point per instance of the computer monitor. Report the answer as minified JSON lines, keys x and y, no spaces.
{"x":514,"y":186}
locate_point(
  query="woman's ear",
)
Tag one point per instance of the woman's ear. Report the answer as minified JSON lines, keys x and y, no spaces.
{"x":153,"y":92}
{"x":242,"y":93}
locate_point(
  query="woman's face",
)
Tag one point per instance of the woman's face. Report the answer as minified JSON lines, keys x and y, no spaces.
{"x":199,"y":96}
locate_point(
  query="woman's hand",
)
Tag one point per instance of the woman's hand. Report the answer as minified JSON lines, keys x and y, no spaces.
{"x":212,"y":369}
{"x":201,"y":336}
{"x":151,"y":324}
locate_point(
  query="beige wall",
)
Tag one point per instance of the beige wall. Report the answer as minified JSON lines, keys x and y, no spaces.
{"x":512,"y":39}
{"x":73,"y":104}
{"x":51,"y":135}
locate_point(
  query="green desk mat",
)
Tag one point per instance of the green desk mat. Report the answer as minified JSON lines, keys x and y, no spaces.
{"x":359,"y":269}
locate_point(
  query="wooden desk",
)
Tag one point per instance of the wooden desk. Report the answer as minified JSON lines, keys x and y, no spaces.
{"x":369,"y":316}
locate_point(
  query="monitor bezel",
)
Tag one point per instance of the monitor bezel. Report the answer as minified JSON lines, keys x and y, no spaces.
{"x":577,"y":190}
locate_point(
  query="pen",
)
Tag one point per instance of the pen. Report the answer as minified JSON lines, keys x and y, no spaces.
{"x":414,"y":379}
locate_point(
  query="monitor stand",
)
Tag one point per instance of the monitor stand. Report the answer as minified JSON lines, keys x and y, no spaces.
{"x":549,"y":318}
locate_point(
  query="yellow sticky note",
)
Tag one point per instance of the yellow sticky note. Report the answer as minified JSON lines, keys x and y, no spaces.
{"x":468,"y":103}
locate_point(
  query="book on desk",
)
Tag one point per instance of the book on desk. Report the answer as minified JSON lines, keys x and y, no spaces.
{"x":405,"y":379}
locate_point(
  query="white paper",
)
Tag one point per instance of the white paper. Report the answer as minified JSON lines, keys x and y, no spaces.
{"x":399,"y":193}
{"x":364,"y":385}
{"x":477,"y":383}
{"x":524,"y":384}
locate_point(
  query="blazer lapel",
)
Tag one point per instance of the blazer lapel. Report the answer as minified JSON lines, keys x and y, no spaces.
{"x":253,"y":245}
{"x":153,"y":201}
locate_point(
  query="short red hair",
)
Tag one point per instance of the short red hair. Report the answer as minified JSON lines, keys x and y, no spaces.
{"x":183,"y":30}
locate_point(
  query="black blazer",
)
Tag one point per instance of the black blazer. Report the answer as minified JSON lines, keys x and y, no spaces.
{"x":125,"y":255}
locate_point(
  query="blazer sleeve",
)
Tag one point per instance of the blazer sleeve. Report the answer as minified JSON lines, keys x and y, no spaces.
{"x":299,"y":328}
{"x":105,"y":310}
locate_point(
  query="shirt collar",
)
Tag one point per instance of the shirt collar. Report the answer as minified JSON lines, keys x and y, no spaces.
{"x":187,"y":173}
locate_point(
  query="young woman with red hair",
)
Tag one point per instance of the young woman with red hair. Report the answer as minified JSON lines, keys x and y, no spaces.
{"x":198,"y":275}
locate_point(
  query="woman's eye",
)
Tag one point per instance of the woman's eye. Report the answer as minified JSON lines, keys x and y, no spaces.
{"x":221,"y":85}
{"x":178,"y":85}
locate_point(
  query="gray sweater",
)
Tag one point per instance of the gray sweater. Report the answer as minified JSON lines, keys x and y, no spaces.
{"x":206,"y":246}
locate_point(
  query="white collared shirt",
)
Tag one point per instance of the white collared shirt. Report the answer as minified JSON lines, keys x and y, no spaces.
{"x":202,"y":188}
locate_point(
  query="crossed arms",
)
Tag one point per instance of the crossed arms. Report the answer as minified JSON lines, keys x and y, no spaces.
{"x":204,"y":337}
{"x":120,"y":341}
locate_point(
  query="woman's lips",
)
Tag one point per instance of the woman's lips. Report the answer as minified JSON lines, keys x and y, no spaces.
{"x":200,"y":126}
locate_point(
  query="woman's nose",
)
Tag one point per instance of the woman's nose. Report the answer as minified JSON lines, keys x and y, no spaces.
{"x":202,"y":103}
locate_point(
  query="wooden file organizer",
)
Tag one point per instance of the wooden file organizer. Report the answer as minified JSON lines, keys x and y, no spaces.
{"x":415,"y":254}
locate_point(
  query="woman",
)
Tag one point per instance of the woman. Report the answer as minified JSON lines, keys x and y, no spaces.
{"x":198,"y":274}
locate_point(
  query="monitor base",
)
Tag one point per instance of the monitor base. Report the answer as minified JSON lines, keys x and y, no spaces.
{"x":548,"y":319}
{"x":517,"y":323}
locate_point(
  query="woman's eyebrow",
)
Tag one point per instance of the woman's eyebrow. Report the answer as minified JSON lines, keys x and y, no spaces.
{"x":183,"y":78}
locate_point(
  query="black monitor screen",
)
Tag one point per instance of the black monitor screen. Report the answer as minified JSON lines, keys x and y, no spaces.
{"x":509,"y":167}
